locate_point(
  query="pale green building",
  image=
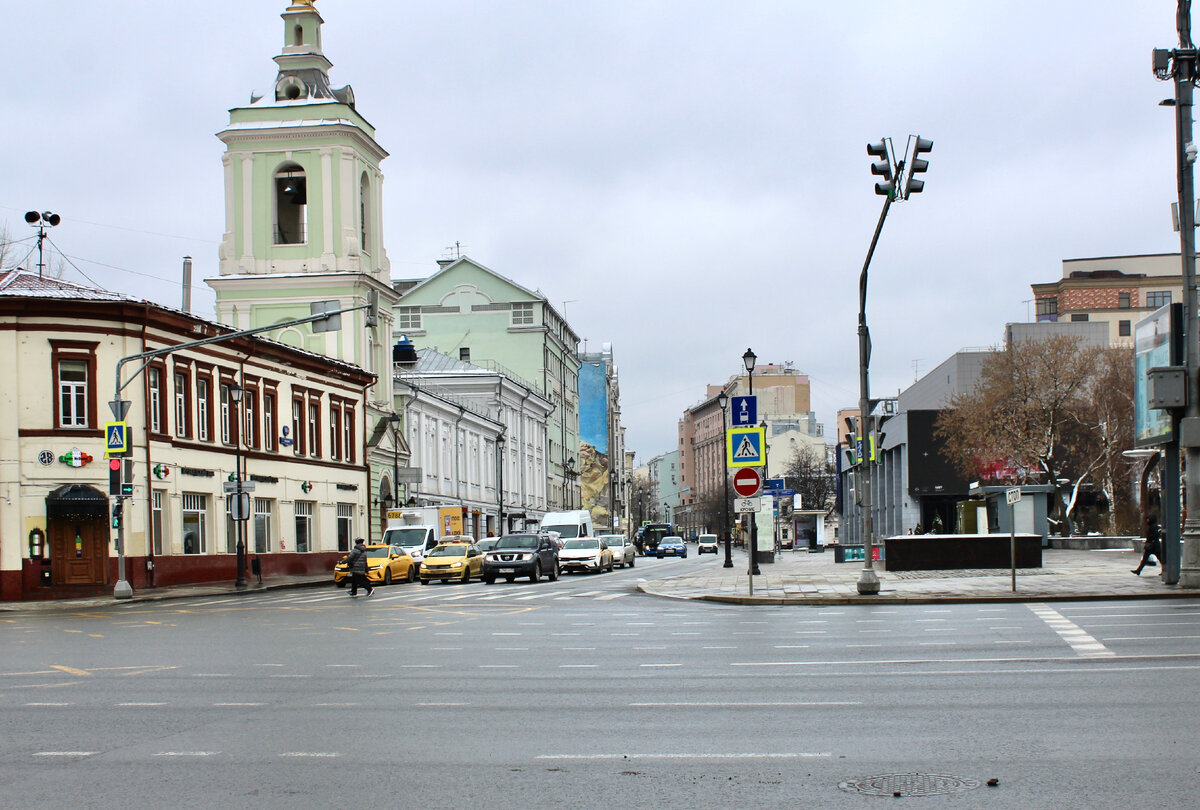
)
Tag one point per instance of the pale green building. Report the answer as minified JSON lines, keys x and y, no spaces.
{"x":470,"y":312}
{"x":303,"y":224}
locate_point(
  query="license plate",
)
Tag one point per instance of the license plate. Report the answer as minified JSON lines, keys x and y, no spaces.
{"x":507,"y":570}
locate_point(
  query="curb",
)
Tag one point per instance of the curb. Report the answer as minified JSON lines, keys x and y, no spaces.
{"x":915,"y":600}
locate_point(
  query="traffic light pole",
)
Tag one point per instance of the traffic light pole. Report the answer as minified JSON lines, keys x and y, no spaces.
{"x":868,"y":580}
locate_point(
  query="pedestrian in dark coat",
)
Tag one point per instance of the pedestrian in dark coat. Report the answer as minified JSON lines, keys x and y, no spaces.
{"x":356,"y":564}
{"x":1152,"y":547}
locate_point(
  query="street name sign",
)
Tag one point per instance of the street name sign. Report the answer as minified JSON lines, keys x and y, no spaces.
{"x":746,"y":446}
{"x":747,"y":482}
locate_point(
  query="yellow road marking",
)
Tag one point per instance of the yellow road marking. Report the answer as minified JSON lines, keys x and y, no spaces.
{"x":70,"y":670}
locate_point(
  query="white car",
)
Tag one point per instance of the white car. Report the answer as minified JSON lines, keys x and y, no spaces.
{"x":707,"y":542}
{"x":624,"y":552}
{"x":585,"y":554}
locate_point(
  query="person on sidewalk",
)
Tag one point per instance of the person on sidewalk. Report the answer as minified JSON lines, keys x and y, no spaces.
{"x":356,"y":564}
{"x":1152,"y":547}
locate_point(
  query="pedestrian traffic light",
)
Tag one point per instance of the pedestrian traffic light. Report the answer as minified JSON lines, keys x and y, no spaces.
{"x":116,"y":515}
{"x":114,"y":476}
{"x":914,"y":185}
{"x":883,"y":169}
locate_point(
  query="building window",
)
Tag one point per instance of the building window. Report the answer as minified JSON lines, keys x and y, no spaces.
{"x":156,"y":522}
{"x":195,"y":506}
{"x":1123,"y":329}
{"x":226,"y":419}
{"x":345,"y":525}
{"x":249,"y":417}
{"x":203,"y":408}
{"x":364,"y":212}
{"x":230,"y":527}
{"x":183,"y":400}
{"x":1047,"y":309}
{"x":291,"y":205}
{"x":335,"y":423}
{"x":158,"y":403}
{"x":347,"y":434}
{"x":262,"y":525}
{"x":1154,"y":300}
{"x":1124,"y":300}
{"x":298,"y":426}
{"x":522,"y":314}
{"x":408,"y":318}
{"x":304,"y":511}
{"x":314,"y":429}
{"x":73,"y":393}
{"x":1079,"y":317}
{"x":268,"y":421}
{"x":464,"y":354}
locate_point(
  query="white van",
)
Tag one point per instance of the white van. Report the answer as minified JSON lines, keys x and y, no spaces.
{"x":569,"y":525}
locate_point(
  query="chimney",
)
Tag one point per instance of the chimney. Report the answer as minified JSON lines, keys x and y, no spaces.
{"x":187,"y":284}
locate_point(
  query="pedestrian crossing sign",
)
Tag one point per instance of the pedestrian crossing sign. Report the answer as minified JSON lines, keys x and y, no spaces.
{"x":116,"y":438}
{"x":746,"y":446}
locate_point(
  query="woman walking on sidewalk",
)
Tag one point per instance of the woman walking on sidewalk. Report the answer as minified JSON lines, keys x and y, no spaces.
{"x":1152,"y":546}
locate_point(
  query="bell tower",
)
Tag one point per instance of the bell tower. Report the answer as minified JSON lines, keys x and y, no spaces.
{"x":303,"y":208}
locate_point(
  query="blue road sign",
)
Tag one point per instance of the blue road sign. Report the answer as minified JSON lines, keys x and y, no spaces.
{"x":746,"y":446}
{"x":743,"y":410}
{"x":773,"y":483}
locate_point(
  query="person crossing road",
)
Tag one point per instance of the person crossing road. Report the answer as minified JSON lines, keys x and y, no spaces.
{"x":356,"y":564}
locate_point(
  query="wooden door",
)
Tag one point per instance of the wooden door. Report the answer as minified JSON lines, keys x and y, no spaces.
{"x":79,"y":552}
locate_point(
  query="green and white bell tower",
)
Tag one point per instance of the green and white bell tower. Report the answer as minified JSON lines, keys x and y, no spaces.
{"x":303,"y":215}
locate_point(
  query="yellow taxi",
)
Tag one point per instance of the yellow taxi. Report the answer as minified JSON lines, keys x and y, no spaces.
{"x":458,"y":559}
{"x":385,"y":565}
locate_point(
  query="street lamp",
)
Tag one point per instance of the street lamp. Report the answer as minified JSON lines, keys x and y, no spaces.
{"x":749,"y":359}
{"x":501,"y":529}
{"x":393,"y":421}
{"x":723,"y":401}
{"x":235,"y":394}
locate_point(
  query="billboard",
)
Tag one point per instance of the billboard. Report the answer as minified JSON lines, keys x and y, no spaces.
{"x":594,"y":467}
{"x":1157,"y":341}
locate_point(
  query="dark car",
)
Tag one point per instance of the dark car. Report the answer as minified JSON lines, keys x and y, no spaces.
{"x":671,"y":547}
{"x":521,"y":555}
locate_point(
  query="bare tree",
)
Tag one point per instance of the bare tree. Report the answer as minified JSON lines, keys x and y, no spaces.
{"x":1053,"y":409}
{"x":810,"y":473}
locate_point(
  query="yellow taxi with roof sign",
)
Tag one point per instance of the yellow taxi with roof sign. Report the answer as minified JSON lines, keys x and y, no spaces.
{"x":455,"y":557}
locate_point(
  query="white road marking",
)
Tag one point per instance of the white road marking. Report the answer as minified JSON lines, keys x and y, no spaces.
{"x":660,"y":665}
{"x":49,"y":704}
{"x":610,"y":596}
{"x":65,"y":753}
{"x":789,"y":755}
{"x":323,"y":754}
{"x":1081,"y":642}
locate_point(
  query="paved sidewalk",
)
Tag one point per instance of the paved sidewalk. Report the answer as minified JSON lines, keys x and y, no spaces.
{"x":801,"y":578}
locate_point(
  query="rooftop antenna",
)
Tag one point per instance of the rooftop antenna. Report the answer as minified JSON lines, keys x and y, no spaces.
{"x":455,"y":251}
{"x":43,"y":220}
{"x":916,"y":369}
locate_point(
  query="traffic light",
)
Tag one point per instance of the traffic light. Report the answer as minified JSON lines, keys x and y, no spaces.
{"x":114,"y":476}
{"x":116,"y":515}
{"x":882,"y":169}
{"x":914,"y":185}
{"x":127,"y":478}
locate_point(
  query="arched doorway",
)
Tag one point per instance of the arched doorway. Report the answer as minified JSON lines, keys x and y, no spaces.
{"x":77,"y":517}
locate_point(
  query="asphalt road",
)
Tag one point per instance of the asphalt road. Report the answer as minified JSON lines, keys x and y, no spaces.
{"x":586,"y":693}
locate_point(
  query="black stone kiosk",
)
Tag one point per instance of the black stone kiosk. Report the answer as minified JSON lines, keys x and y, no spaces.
{"x":947,"y":552}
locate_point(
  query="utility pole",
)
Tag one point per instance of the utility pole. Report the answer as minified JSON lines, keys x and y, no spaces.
{"x":1182,"y":565}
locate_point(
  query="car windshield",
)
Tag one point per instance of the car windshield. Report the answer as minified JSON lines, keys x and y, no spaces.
{"x":456,"y":550}
{"x":592,"y":544}
{"x":487,"y":545}
{"x":673,"y":541}
{"x":613,"y":539}
{"x":517,"y":541}
{"x":406,"y":537}
{"x":382,"y":551}
{"x":563,"y":531}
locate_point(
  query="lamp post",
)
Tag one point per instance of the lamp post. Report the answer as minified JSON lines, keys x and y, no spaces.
{"x":501,"y":528}
{"x":723,"y":401}
{"x":235,"y":394}
{"x":774,"y":499}
{"x":749,"y":359}
{"x":393,"y":421}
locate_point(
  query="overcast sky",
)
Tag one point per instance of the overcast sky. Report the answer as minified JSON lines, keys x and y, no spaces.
{"x":685,"y":179}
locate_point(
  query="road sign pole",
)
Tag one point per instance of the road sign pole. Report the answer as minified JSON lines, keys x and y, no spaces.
{"x":122,"y":590}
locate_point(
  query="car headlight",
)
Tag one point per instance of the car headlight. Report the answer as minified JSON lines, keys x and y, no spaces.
{"x":456,"y":565}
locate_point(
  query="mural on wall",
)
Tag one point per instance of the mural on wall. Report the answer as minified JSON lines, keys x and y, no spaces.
{"x":593,"y":441}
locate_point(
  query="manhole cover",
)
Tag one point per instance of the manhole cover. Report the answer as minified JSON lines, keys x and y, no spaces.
{"x":909,"y":784}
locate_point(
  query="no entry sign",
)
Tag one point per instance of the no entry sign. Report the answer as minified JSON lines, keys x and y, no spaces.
{"x":747,"y":482}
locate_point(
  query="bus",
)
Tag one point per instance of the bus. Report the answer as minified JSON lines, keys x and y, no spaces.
{"x":652,"y":533}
